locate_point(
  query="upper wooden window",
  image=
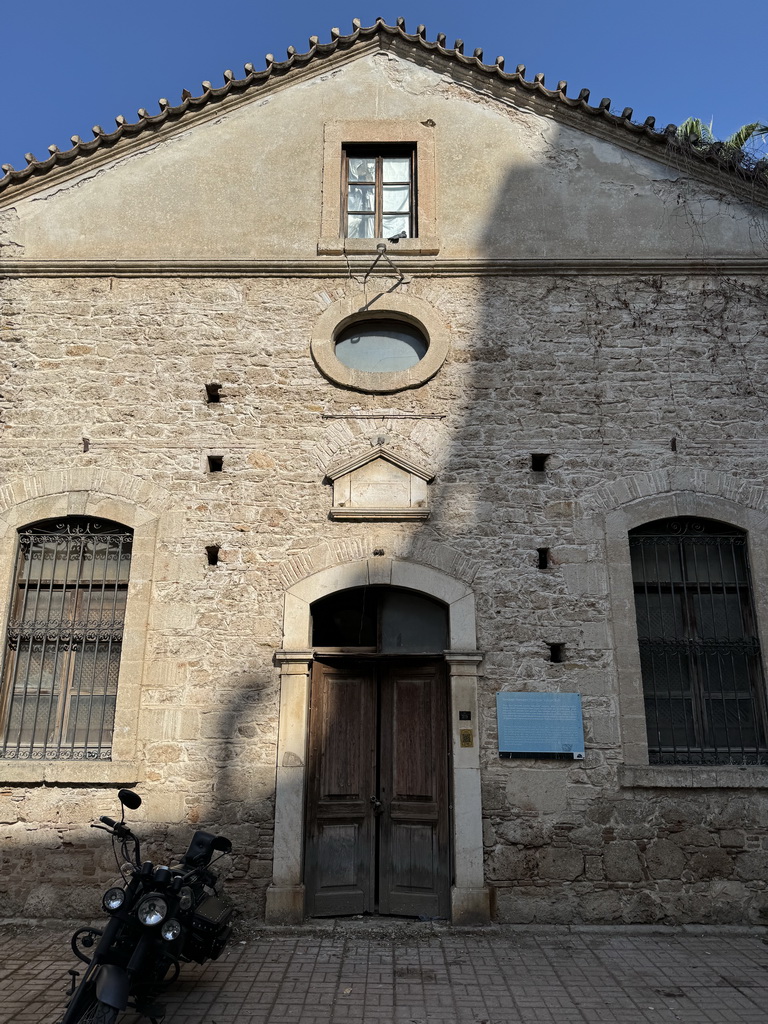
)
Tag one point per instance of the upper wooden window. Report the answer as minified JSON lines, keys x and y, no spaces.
{"x":379,"y":191}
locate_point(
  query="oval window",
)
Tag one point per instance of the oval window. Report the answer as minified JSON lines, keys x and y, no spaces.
{"x":380,"y":346}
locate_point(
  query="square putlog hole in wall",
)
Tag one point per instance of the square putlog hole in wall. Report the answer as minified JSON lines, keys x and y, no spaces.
{"x":215,"y":463}
{"x":212,"y":393}
{"x":539,"y":463}
{"x":557,"y":653}
{"x":212,"y":553}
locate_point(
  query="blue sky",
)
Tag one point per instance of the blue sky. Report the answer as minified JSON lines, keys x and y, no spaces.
{"x":68,"y":66}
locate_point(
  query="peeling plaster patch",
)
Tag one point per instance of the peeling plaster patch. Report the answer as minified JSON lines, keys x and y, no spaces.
{"x":9,"y":222}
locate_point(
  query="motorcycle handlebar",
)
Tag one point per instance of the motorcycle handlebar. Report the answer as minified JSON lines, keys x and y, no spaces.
{"x":116,"y":827}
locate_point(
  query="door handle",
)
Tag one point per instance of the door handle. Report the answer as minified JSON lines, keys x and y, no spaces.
{"x":376,"y":805}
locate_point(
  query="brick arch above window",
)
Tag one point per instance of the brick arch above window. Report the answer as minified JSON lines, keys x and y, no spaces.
{"x":667,"y":484}
{"x":69,"y":492}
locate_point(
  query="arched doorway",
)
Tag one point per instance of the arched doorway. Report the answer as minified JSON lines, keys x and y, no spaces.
{"x":286,"y":897}
{"x":377,"y":814}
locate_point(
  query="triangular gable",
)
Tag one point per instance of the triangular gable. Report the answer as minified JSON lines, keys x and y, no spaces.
{"x":663,"y":146}
{"x":379,"y":452}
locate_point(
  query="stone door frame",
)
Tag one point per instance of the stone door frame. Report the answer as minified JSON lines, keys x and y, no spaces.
{"x":469,"y":896}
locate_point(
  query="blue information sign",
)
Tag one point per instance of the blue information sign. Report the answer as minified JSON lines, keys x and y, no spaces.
{"x":540,"y":723}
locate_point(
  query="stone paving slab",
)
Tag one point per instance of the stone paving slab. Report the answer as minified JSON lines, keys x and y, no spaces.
{"x":347,"y":973}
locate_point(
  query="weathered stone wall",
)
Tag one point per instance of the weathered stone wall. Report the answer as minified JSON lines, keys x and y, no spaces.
{"x":599,"y":371}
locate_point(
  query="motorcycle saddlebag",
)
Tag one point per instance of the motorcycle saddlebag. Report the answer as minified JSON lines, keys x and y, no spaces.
{"x":211,"y":926}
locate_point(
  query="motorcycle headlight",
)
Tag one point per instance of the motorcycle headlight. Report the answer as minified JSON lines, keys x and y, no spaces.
{"x":152,"y":910}
{"x":186,"y":899}
{"x":171,"y":930}
{"x":113,"y":899}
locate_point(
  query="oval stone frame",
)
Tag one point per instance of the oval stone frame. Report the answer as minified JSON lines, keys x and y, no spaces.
{"x":354,"y":309}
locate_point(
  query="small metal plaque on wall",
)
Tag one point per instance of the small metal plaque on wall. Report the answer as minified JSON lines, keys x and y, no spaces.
{"x":540,"y":723}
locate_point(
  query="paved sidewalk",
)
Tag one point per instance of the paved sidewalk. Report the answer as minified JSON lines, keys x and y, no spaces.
{"x":353,"y":972}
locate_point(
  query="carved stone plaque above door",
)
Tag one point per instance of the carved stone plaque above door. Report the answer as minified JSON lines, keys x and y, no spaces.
{"x":379,"y":485}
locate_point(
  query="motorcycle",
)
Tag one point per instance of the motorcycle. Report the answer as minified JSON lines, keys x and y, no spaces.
{"x":159,"y":918}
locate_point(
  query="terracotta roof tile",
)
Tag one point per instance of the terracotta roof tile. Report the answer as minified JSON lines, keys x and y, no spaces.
{"x":169,"y":113}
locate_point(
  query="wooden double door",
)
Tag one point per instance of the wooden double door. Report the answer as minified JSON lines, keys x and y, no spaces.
{"x":377,"y":837}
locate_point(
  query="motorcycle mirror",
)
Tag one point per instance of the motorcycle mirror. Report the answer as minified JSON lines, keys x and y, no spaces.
{"x":129,"y":799}
{"x":220,"y":843}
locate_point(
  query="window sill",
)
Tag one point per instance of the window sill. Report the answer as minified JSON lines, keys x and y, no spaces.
{"x":692,"y":777}
{"x":95,"y":773}
{"x":425,"y":246}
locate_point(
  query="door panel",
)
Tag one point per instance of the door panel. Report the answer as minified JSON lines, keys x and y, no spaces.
{"x":341,"y":830}
{"x":413,"y":771}
{"x":378,"y":730}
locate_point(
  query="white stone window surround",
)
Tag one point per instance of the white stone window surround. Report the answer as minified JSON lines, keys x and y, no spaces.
{"x":636,"y":771}
{"x":372,"y":132}
{"x":358,"y":307}
{"x":124,"y":768}
{"x":285,"y":896}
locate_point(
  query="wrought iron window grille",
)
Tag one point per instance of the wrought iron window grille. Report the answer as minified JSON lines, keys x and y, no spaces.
{"x":703,"y":681}
{"x":64,"y":638}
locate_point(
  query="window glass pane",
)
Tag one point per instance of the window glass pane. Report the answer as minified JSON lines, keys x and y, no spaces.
{"x":659,"y":614}
{"x":731,"y":724}
{"x":670,"y":725}
{"x":34,"y":698}
{"x":345,"y":619}
{"x":396,"y":169}
{"x":389,"y":620}
{"x":397,"y":198}
{"x":360,"y":225}
{"x":715,"y":560}
{"x":412,"y":624}
{"x":380,"y":346}
{"x":726,"y":673}
{"x":361,"y":197}
{"x":668,"y":671}
{"x":656,"y":559}
{"x":361,"y":168}
{"x":91,"y":708}
{"x":392,"y":226}
{"x":717,"y":615}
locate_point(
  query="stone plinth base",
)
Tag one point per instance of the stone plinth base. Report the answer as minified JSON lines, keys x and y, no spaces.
{"x":285,"y":904}
{"x":470,"y":906}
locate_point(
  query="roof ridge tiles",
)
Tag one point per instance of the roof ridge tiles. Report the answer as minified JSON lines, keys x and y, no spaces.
{"x":339,"y":41}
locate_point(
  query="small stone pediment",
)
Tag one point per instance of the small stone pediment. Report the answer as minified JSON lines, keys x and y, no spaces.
{"x":379,"y":485}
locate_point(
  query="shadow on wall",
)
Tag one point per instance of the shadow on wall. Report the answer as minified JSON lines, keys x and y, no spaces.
{"x":587,"y":370}
{"x":558,"y":380}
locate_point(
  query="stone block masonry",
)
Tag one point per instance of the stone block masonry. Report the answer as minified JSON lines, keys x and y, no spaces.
{"x":600,"y":372}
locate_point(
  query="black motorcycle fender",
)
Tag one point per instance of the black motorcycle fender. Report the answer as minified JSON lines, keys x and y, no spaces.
{"x":112,"y":986}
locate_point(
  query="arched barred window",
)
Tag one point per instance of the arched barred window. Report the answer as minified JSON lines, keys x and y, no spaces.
{"x":64,"y":638}
{"x":705,"y":700}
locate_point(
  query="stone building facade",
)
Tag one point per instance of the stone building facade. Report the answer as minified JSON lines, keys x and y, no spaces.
{"x":591,"y":302}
